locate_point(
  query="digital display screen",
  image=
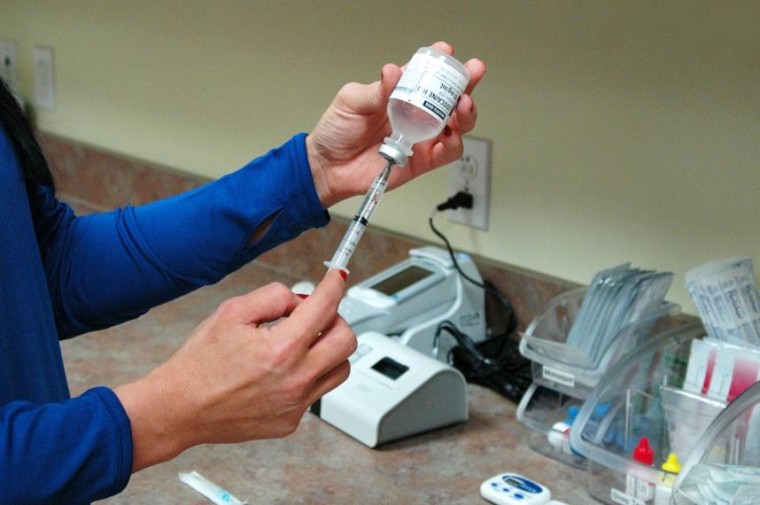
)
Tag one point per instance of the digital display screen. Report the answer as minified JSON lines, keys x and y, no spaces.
{"x":389,"y":368}
{"x":401,"y":280}
{"x":514,"y":482}
{"x":522,"y":484}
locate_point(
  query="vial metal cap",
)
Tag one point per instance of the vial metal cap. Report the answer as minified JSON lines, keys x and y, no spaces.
{"x":393,"y":154}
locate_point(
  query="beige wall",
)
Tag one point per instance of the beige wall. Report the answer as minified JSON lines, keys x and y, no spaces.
{"x":622,"y":131}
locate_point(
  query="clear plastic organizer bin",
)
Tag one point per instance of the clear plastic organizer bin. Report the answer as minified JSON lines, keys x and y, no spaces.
{"x":724,"y":467}
{"x":641,"y":418}
{"x":570,"y":370}
{"x":563,"y":377}
{"x":550,"y":414}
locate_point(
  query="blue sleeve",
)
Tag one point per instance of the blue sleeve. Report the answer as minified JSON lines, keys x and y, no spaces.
{"x":110,"y":267}
{"x":54,"y":453}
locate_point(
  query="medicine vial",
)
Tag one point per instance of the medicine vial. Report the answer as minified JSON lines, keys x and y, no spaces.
{"x":423,"y":101}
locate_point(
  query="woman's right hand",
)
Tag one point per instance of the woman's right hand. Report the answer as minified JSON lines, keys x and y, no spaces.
{"x":249,"y":371}
{"x":343,"y":146}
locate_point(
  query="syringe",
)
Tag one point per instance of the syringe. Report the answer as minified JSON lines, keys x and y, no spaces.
{"x":361,"y":220}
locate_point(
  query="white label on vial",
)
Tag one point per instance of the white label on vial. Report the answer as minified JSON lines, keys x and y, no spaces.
{"x":430,"y":84}
{"x":644,"y":490}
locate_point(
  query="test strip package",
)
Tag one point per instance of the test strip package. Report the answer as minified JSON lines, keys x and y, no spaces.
{"x":725,"y":294}
{"x":720,"y":370}
{"x":573,"y":369}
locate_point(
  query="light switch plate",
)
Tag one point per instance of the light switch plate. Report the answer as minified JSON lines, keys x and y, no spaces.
{"x":44,"y":77}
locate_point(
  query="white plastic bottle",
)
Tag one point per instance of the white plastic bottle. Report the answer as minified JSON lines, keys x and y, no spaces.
{"x":423,"y":101}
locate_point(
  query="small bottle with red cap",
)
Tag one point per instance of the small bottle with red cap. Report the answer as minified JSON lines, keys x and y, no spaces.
{"x":636,"y":486}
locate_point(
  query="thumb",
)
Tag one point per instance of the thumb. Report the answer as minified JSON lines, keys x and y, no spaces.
{"x":318,"y":311}
{"x":389,"y":77}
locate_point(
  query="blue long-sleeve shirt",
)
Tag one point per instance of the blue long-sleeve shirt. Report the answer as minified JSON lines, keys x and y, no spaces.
{"x":63,"y":275}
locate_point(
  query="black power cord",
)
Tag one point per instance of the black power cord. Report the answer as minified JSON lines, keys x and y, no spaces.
{"x":495,"y":362}
{"x":461,"y":199}
{"x":465,"y":200}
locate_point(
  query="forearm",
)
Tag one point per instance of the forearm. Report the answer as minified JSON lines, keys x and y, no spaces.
{"x":158,"y":419}
{"x":76,"y":451}
{"x":115,"y":266}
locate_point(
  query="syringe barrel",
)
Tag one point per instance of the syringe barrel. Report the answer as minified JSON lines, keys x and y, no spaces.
{"x":361,"y":220}
{"x":347,"y":245}
{"x":371,"y":201}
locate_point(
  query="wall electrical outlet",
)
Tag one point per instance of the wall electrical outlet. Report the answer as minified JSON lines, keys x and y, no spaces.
{"x":9,"y":64}
{"x":44,"y":82}
{"x":472,"y":173}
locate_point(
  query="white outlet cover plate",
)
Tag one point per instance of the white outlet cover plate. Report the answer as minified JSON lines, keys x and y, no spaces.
{"x":472,"y":172}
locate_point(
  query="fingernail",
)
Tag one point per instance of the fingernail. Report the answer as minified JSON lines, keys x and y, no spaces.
{"x":343,"y":273}
{"x":302,"y":295}
{"x":447,"y":131}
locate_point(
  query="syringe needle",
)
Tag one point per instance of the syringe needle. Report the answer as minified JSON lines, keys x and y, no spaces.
{"x":361,"y":220}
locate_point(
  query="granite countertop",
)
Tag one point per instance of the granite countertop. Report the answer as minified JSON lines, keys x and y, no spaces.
{"x":318,"y":464}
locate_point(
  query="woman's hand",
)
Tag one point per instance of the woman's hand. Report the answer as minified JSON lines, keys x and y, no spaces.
{"x":249,"y":371}
{"x":343,"y":148}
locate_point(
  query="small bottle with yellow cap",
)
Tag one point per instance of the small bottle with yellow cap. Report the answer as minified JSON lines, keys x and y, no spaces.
{"x":664,"y":490}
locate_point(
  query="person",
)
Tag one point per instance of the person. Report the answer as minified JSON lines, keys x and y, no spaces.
{"x":248,"y":371}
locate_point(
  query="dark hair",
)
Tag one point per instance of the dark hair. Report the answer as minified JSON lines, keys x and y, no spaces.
{"x":21,"y":135}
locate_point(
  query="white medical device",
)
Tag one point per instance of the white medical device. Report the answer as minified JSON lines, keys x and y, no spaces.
{"x":410,"y":299}
{"x":393,"y":392}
